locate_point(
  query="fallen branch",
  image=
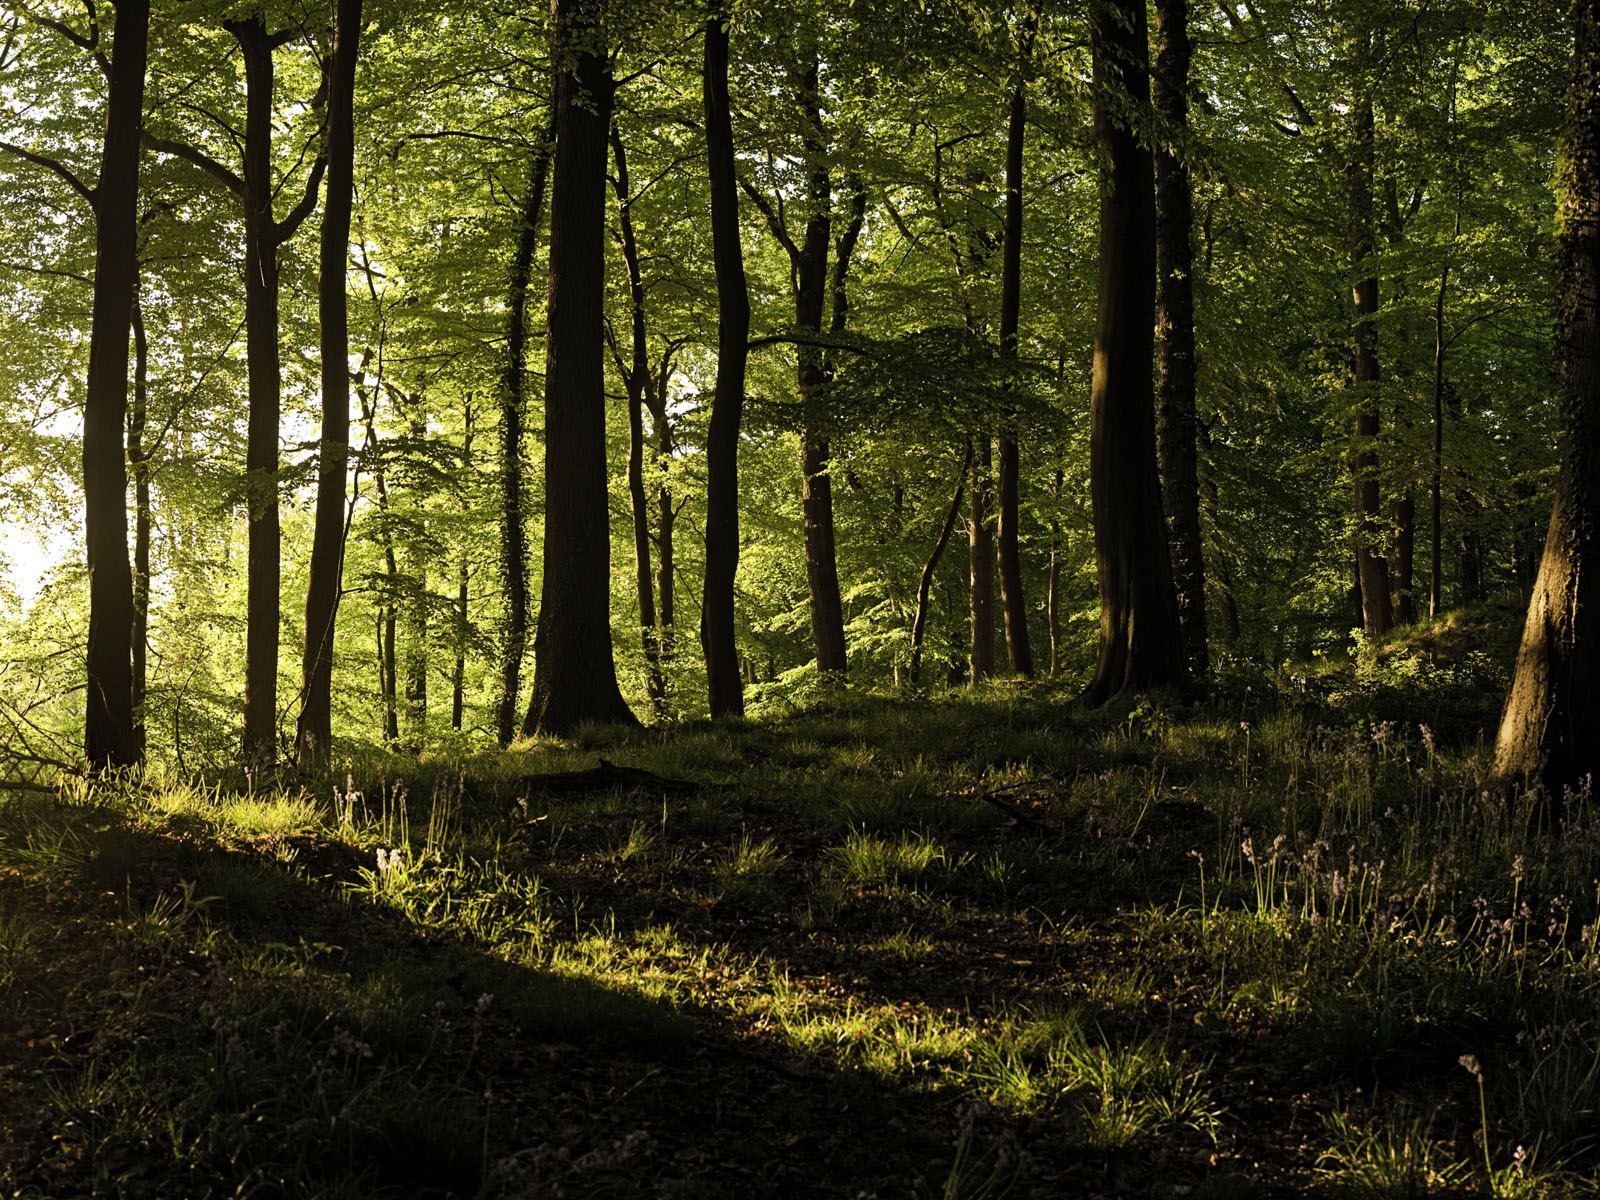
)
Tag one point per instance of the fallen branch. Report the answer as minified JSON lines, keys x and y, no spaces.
{"x":1015,"y":811}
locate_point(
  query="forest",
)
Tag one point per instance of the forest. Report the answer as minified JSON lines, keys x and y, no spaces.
{"x":912,"y":599}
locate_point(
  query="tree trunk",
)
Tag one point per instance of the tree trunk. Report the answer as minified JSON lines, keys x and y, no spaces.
{"x":1180,"y":462}
{"x":1053,"y":587}
{"x":1140,"y":641}
{"x":1405,"y":557}
{"x":1015,"y":606}
{"x":1436,"y":460}
{"x":325,"y":586}
{"x":816,"y":494}
{"x":108,"y":738}
{"x":981,"y":560}
{"x":139,"y":464}
{"x":1377,"y":610}
{"x":919,"y":623}
{"x":717,"y":628}
{"x":575,"y":677}
{"x":1547,"y":733}
{"x":458,"y":672}
{"x":513,"y":406}
{"x":636,"y":379}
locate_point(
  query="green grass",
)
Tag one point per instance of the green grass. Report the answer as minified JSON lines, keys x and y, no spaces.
{"x":982,"y":947}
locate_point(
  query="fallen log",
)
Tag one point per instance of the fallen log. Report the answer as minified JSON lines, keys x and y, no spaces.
{"x":601,"y":778}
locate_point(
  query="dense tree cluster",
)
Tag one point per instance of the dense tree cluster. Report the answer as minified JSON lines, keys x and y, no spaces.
{"x":1225,"y":330}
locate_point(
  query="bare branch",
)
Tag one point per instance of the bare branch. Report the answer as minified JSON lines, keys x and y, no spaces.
{"x":55,"y":166}
{"x":198,"y":158}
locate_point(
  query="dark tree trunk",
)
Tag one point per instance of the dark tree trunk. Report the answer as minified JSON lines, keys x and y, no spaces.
{"x":513,"y":407}
{"x":636,"y":379}
{"x":325,"y":586}
{"x":575,"y":677}
{"x":717,"y":627}
{"x":1405,"y":557}
{"x":388,"y":673}
{"x":139,"y":464}
{"x":458,"y":672}
{"x":1436,"y":459}
{"x":109,"y":739}
{"x":1053,"y":587}
{"x":981,"y":560}
{"x":1140,"y":641}
{"x":816,"y":495}
{"x":1377,"y":609}
{"x":1015,"y":606}
{"x":919,"y":623}
{"x":1547,"y":733}
{"x":1180,"y":462}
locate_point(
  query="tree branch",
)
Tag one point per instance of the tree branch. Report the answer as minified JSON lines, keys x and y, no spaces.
{"x":195,"y":157}
{"x":54,"y":166}
{"x":774,"y":221}
{"x":283,"y":230}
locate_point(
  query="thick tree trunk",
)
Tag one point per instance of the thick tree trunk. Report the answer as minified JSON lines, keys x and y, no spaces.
{"x":575,"y":677}
{"x":1140,"y":641}
{"x":109,"y":739}
{"x":1547,"y":733}
{"x":636,"y":379}
{"x":314,"y":731}
{"x":1180,"y":460}
{"x":1015,"y":606}
{"x":717,"y":627}
{"x":919,"y":623}
{"x":981,"y":560}
{"x":513,"y":407}
{"x":1377,"y":609}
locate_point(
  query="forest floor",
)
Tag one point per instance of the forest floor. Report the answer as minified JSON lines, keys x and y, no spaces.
{"x":1277,"y":944}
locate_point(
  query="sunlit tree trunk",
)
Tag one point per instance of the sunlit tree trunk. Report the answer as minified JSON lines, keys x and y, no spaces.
{"x":980,"y":564}
{"x":1140,"y":642}
{"x":1547,"y":733}
{"x":109,"y":738}
{"x":919,"y":622}
{"x":139,"y":465}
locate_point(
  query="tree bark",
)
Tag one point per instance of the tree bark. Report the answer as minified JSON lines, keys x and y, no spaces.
{"x":1180,"y":460}
{"x":816,"y":495}
{"x":1053,"y":586}
{"x":981,"y":564}
{"x":717,"y":628}
{"x":109,"y":739}
{"x":919,"y":623}
{"x":139,"y":464}
{"x":636,"y":379}
{"x":513,"y":407}
{"x":1140,"y":641}
{"x":1547,"y":732}
{"x":314,"y":732}
{"x":1018,"y":648}
{"x":458,"y":672}
{"x":575,"y":677}
{"x":1377,"y":609}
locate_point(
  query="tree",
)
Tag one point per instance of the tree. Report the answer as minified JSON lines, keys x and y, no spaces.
{"x":264,"y":235}
{"x":1180,"y":481}
{"x":314,"y":731}
{"x":1547,"y":731}
{"x":109,"y":739}
{"x":1140,"y":643}
{"x":575,"y":678}
{"x":723,"y":681}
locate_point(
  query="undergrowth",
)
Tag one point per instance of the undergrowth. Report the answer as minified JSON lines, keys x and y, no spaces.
{"x":1282,"y":943}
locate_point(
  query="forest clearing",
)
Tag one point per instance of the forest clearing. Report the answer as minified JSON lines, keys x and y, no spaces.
{"x":917,"y":599}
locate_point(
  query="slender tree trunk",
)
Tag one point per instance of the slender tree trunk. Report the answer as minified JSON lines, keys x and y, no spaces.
{"x":1180,"y":460}
{"x":1015,"y":606}
{"x":1140,"y":641}
{"x":919,"y":623}
{"x":513,"y":407}
{"x":109,"y":737}
{"x":575,"y":677}
{"x":458,"y":672}
{"x":1377,"y":609}
{"x":636,"y":379}
{"x":1436,"y":459}
{"x":313,"y":736}
{"x":981,"y":556}
{"x":1053,"y":588}
{"x":717,"y":627}
{"x":1547,"y":733}
{"x":139,"y":465}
